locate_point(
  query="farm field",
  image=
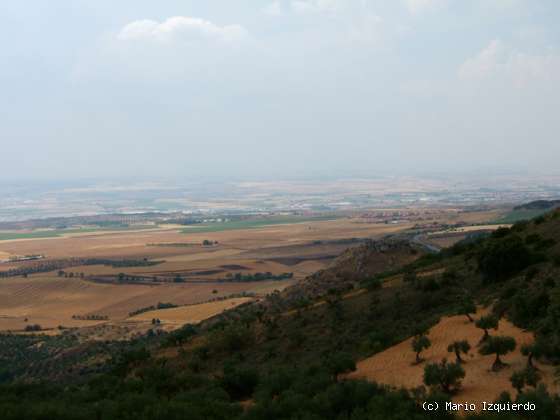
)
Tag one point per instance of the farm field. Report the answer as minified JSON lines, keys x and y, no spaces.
{"x":51,"y":300}
{"x":396,"y":366}
{"x":252,"y":250}
{"x":190,"y":314}
{"x":58,"y":233}
{"x":450,"y":237}
{"x":255,"y":223}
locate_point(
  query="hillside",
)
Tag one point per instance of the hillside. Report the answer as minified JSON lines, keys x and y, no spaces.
{"x":395,"y":366}
{"x":529,"y":211}
{"x":285,"y":357}
{"x":539,"y":205}
{"x":349,"y":269}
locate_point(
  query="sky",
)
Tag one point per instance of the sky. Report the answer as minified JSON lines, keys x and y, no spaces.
{"x":277,"y":88}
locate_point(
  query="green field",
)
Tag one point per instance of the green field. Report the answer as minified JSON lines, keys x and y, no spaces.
{"x":6,"y":236}
{"x":56,"y":233}
{"x":256,"y":223}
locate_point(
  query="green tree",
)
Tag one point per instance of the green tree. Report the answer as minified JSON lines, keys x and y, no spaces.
{"x":517,"y":380}
{"x":239,"y":382}
{"x":459,"y":347}
{"x":468,"y":307}
{"x":525,"y":377}
{"x":498,"y":345}
{"x":533,"y":350}
{"x":445,"y":376}
{"x":503,"y":257}
{"x":420,"y":343}
{"x":485,"y":323}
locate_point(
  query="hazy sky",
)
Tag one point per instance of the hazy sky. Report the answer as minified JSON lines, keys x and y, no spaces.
{"x":271,"y":88}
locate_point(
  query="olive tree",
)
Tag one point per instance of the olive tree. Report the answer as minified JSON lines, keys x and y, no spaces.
{"x":498,"y":345}
{"x":485,"y":323}
{"x":445,"y":376}
{"x":420,"y":343}
{"x":459,"y":347}
{"x":468,"y":307}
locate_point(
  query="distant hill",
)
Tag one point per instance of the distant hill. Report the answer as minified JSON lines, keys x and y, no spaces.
{"x":539,"y":205}
{"x":528,"y":211}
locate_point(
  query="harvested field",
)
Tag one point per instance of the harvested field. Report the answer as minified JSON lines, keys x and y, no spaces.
{"x":395,"y":366}
{"x":190,"y":314}
{"x":254,"y":249}
{"x":446,"y":241}
{"x":448,"y":238}
{"x":52,"y":301}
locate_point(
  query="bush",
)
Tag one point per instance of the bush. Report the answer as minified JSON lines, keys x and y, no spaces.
{"x":33,"y":327}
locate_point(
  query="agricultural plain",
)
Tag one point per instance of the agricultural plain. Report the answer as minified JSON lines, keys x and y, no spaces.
{"x":211,"y":263}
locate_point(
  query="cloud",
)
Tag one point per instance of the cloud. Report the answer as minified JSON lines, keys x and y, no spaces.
{"x":419,"y":6}
{"x":315,"y":6}
{"x":370,"y":29}
{"x":273,"y":9}
{"x":181,"y":28}
{"x":498,"y":60}
{"x":484,"y":63}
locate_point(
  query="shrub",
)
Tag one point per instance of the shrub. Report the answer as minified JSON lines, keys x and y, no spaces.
{"x":33,"y":327}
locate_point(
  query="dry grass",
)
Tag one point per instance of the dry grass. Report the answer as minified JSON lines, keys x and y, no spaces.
{"x":395,"y":366}
{"x":191,"y":314}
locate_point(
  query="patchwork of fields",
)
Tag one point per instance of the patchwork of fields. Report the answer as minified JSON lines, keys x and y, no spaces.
{"x":300,"y":246}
